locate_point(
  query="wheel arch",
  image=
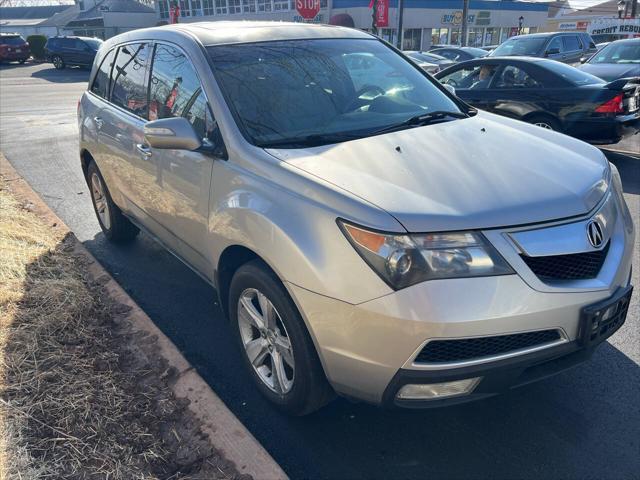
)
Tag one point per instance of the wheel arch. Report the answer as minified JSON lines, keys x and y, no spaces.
{"x":543,"y":115}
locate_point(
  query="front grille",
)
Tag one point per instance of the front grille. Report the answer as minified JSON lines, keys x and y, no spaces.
{"x":446,"y":351}
{"x":576,"y":266}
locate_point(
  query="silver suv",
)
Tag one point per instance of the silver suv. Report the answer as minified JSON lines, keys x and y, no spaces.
{"x":367,"y":232}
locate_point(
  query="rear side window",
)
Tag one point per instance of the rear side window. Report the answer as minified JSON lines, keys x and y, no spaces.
{"x":174,"y":83}
{"x":129,"y":89}
{"x":571,"y":43}
{"x":101,"y":83}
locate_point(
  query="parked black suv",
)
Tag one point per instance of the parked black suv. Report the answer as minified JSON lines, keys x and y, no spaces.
{"x":68,"y":51}
{"x":567,"y":47}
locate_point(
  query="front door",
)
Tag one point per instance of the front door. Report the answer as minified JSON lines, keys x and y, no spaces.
{"x":184,"y":176}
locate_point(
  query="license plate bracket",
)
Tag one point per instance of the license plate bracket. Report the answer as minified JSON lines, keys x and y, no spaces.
{"x":601,"y":320}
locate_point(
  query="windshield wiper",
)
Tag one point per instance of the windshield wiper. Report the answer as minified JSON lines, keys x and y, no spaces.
{"x":420,"y":120}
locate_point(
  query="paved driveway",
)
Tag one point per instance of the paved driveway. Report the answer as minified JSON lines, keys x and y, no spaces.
{"x":584,"y":423}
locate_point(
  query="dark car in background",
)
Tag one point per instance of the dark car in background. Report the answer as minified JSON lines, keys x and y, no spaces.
{"x":71,"y":51}
{"x":549,"y":94}
{"x":619,"y":59}
{"x":460,"y":54}
{"x":13,"y":48}
{"x":429,"y":61}
{"x":568,"y":47}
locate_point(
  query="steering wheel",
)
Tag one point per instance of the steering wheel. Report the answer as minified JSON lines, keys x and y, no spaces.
{"x":452,"y":82}
{"x":367,"y":88}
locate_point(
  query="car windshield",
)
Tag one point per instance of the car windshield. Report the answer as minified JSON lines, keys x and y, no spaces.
{"x":93,"y":42}
{"x":322,"y":90}
{"x":11,"y":40}
{"x":520,"y":46}
{"x":571,"y":74}
{"x":618,"y":53}
{"x":426,"y":57}
{"x":476,"y":52}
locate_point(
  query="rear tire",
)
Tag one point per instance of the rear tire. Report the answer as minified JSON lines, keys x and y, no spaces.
{"x":21,"y":61}
{"x":57,"y":62}
{"x":298,"y":386}
{"x":115,"y":226}
{"x":545,"y":122}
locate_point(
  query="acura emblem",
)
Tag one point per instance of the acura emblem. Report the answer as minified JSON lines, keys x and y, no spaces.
{"x":594,"y":233}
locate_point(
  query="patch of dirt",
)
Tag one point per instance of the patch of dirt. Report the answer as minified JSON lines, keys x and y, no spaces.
{"x":82,"y":396}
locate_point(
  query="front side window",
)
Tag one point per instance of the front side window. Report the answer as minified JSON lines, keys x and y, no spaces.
{"x":555,"y":46}
{"x":282,"y":91}
{"x":174,"y":83}
{"x":129,"y":89}
{"x":101,"y":82}
{"x":477,"y":77}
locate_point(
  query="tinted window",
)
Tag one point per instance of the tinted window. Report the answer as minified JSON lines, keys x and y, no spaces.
{"x":289,"y":92}
{"x":514,"y":77}
{"x":67,"y":42}
{"x":52,"y":43}
{"x":477,"y":77}
{"x":520,"y":46}
{"x":16,"y":40}
{"x":626,"y":52}
{"x":101,"y":83}
{"x":450,"y":54}
{"x":570,"y":74}
{"x":556,"y":44}
{"x":94,"y":43}
{"x":174,"y":83}
{"x":129,"y":71}
{"x":571,"y":43}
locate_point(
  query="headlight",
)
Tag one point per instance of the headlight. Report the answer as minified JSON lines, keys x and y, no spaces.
{"x":404,"y":260}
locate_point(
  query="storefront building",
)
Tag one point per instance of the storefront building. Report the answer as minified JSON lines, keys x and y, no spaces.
{"x":425,"y":22}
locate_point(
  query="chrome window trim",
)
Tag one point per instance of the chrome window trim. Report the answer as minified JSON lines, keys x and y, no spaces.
{"x":488,"y":358}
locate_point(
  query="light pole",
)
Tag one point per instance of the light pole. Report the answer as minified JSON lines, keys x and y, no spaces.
{"x":463,"y":30}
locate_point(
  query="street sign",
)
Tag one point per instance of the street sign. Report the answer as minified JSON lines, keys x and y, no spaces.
{"x":308,"y":9}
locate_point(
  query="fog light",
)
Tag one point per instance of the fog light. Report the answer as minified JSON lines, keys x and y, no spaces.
{"x":426,"y":391}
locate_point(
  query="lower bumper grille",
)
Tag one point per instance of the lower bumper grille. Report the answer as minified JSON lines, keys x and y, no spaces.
{"x":447,"y":351}
{"x":576,"y":266}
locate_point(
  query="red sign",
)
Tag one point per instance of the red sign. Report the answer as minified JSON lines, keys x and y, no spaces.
{"x":382,"y":13}
{"x":308,"y":9}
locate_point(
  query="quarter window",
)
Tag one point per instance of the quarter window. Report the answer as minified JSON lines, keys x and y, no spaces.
{"x":101,"y":83}
{"x":129,"y":78}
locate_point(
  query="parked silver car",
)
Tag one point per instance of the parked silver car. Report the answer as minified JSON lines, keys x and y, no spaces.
{"x":370,"y":235}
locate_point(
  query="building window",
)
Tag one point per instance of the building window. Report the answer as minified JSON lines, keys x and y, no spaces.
{"x":235,"y":6}
{"x":492,"y":36}
{"x":388,"y":34}
{"x":439,"y":36}
{"x":163,"y":8}
{"x":323,"y":4}
{"x":221,"y":7}
{"x":185,"y":8}
{"x":196,"y":8}
{"x":280,"y":5}
{"x":456,"y":36}
{"x":249,"y":6}
{"x":208,"y":7}
{"x":474,"y":37}
{"x":264,"y":5}
{"x":411,"y":39}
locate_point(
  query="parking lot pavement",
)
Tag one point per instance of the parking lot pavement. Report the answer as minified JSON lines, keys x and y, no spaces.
{"x":584,"y":423}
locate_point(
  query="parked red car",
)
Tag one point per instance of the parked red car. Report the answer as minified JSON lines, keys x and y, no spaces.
{"x":13,"y":48}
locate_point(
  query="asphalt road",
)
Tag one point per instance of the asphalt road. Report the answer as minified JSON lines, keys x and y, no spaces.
{"x":584,"y":423}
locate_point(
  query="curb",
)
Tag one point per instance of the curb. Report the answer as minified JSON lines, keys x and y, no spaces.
{"x":226,"y":433}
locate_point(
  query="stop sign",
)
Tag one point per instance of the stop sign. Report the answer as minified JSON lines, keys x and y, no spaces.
{"x":308,"y":9}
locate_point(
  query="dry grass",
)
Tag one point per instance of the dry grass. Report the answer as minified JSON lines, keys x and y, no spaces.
{"x":81,"y":396}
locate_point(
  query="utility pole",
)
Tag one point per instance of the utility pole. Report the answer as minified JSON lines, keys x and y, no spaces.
{"x":400,"y":14}
{"x":465,"y":14}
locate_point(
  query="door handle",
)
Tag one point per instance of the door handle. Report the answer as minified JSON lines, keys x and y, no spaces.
{"x":99,"y":122}
{"x":144,"y":150}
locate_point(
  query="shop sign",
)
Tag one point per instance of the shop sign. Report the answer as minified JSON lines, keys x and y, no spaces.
{"x":455,"y":18}
{"x":629,"y":27}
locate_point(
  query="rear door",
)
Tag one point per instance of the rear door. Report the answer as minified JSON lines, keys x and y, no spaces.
{"x":184,"y":176}
{"x":517,"y":91}
{"x":573,"y":49}
{"x":131,"y":166}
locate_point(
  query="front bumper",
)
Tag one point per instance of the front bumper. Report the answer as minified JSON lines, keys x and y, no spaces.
{"x":369,"y":350}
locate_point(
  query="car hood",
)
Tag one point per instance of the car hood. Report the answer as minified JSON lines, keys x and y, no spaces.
{"x":611,"y":71}
{"x":480,"y":172}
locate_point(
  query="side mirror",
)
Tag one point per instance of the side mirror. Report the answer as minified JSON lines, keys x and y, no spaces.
{"x":552,"y":51}
{"x":584,"y":59}
{"x":171,"y":133}
{"x":450,"y":88}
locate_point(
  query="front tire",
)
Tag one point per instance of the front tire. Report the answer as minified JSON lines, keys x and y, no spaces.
{"x":115,"y":226}
{"x":276,"y":347}
{"x":57,"y":62}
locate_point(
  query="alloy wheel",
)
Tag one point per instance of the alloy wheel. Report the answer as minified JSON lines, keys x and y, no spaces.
{"x":100,"y":201}
{"x":544,"y":125}
{"x":266,"y":341}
